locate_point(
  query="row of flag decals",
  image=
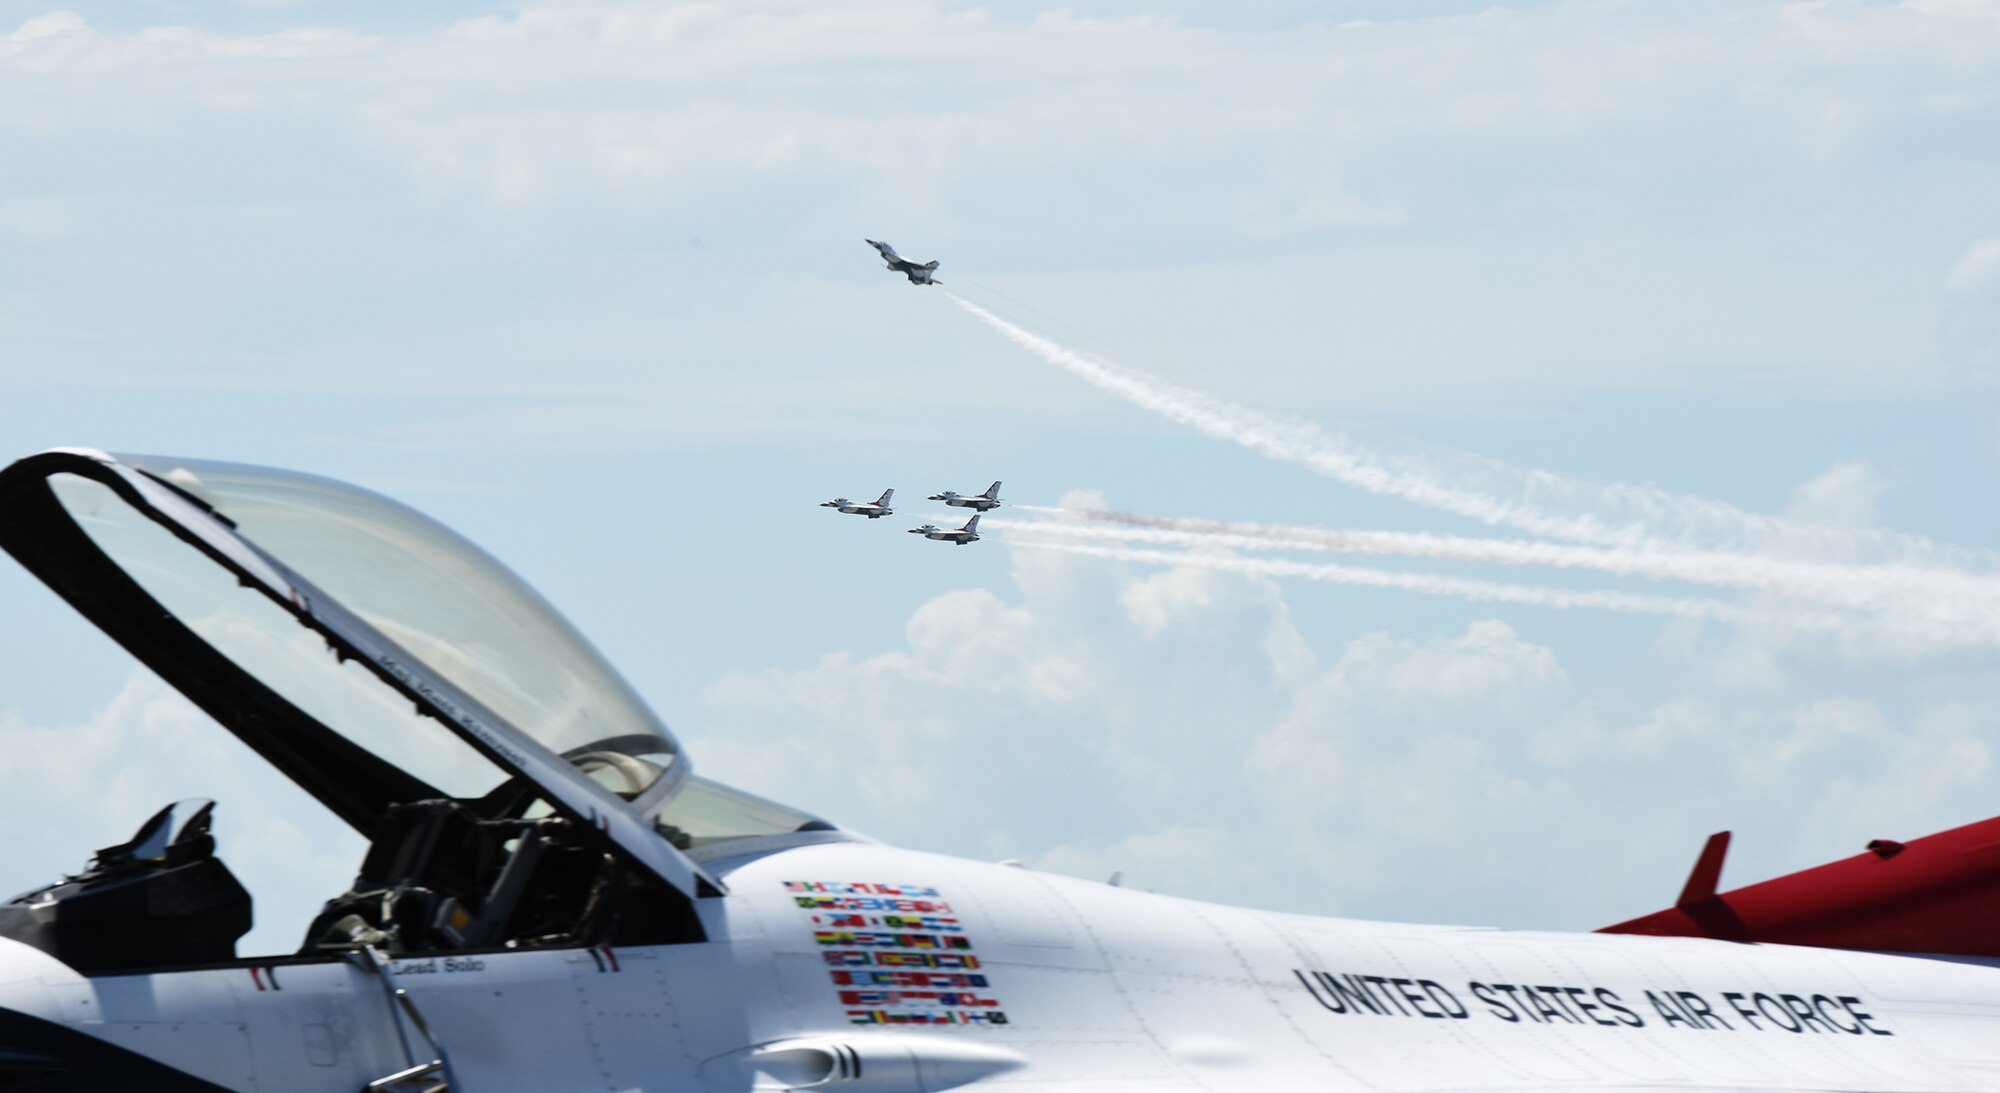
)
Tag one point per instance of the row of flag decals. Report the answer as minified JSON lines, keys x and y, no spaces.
{"x":897,"y":954}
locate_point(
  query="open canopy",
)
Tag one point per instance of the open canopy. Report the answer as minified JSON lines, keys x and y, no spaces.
{"x":370,"y":653}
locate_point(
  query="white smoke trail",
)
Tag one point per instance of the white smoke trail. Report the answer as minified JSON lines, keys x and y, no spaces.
{"x":1967,"y":605}
{"x":1462,"y":587}
{"x":1914,"y":624}
{"x":1617,"y":515}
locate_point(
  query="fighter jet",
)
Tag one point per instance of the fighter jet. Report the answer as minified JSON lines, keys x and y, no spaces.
{"x":918,"y":274}
{"x":962,"y":536}
{"x":552,"y":901}
{"x":875,"y":511}
{"x":981,"y":501}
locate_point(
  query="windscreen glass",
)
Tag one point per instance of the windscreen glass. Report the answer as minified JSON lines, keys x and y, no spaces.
{"x":704,"y":813}
{"x":446,"y":603}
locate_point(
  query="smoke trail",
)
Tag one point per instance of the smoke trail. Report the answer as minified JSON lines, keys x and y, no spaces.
{"x":1631,"y":516}
{"x":1465,"y":588}
{"x":1964,"y":601}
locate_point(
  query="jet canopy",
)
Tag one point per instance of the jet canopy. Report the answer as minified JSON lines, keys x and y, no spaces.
{"x":373,"y":655}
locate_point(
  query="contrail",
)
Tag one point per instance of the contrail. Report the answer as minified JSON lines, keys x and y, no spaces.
{"x":1630,"y":516}
{"x":1465,"y":588}
{"x":1962,"y":600}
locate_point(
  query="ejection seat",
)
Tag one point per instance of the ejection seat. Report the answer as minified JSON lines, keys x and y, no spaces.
{"x":161,"y":899}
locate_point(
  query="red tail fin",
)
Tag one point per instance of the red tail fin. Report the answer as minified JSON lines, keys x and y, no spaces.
{"x":1937,"y":894}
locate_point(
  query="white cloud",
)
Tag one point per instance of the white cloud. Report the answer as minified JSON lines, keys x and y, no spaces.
{"x":1566,"y":196}
{"x":1421,"y":777}
{"x":61,"y":41}
{"x":1843,"y":495}
{"x":41,"y":28}
{"x":906,"y":98}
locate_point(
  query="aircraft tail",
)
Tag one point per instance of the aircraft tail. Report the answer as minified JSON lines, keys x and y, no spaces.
{"x":1936,"y":894}
{"x":972,"y":525}
{"x":932,"y":264}
{"x":992,"y":491}
{"x":884,"y":499}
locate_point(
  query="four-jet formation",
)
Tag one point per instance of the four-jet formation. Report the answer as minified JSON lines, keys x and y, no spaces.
{"x":918,"y":273}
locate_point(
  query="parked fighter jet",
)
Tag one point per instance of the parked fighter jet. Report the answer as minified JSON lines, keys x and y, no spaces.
{"x":918,"y":274}
{"x":874,"y":511}
{"x":980,"y":501}
{"x":552,"y":901}
{"x":961,"y":535}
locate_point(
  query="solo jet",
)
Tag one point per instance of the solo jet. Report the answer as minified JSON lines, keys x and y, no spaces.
{"x":960,"y":535}
{"x":979,"y":501}
{"x":552,"y":900}
{"x":875,"y":511}
{"x":919,"y":274}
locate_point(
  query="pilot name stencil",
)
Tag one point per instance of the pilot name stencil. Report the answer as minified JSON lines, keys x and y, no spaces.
{"x":1541,"y":1004}
{"x":433,"y":965}
{"x":896,"y":954}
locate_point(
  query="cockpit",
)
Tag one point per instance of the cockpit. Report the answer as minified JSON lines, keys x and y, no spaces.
{"x":515,"y":790}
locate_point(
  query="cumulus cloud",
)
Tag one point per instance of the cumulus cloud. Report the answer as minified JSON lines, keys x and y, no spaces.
{"x":911,"y":97}
{"x":1200,"y":745}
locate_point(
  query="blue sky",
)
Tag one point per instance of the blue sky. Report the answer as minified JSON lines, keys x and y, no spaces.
{"x":587,"y":282}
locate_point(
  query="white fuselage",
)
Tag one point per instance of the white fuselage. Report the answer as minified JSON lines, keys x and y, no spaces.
{"x":868,"y":967}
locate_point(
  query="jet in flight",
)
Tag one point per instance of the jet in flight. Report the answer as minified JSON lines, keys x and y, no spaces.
{"x":979,"y":501}
{"x":919,"y":274}
{"x":961,"y":535}
{"x":875,"y":511}
{"x":552,"y":900}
